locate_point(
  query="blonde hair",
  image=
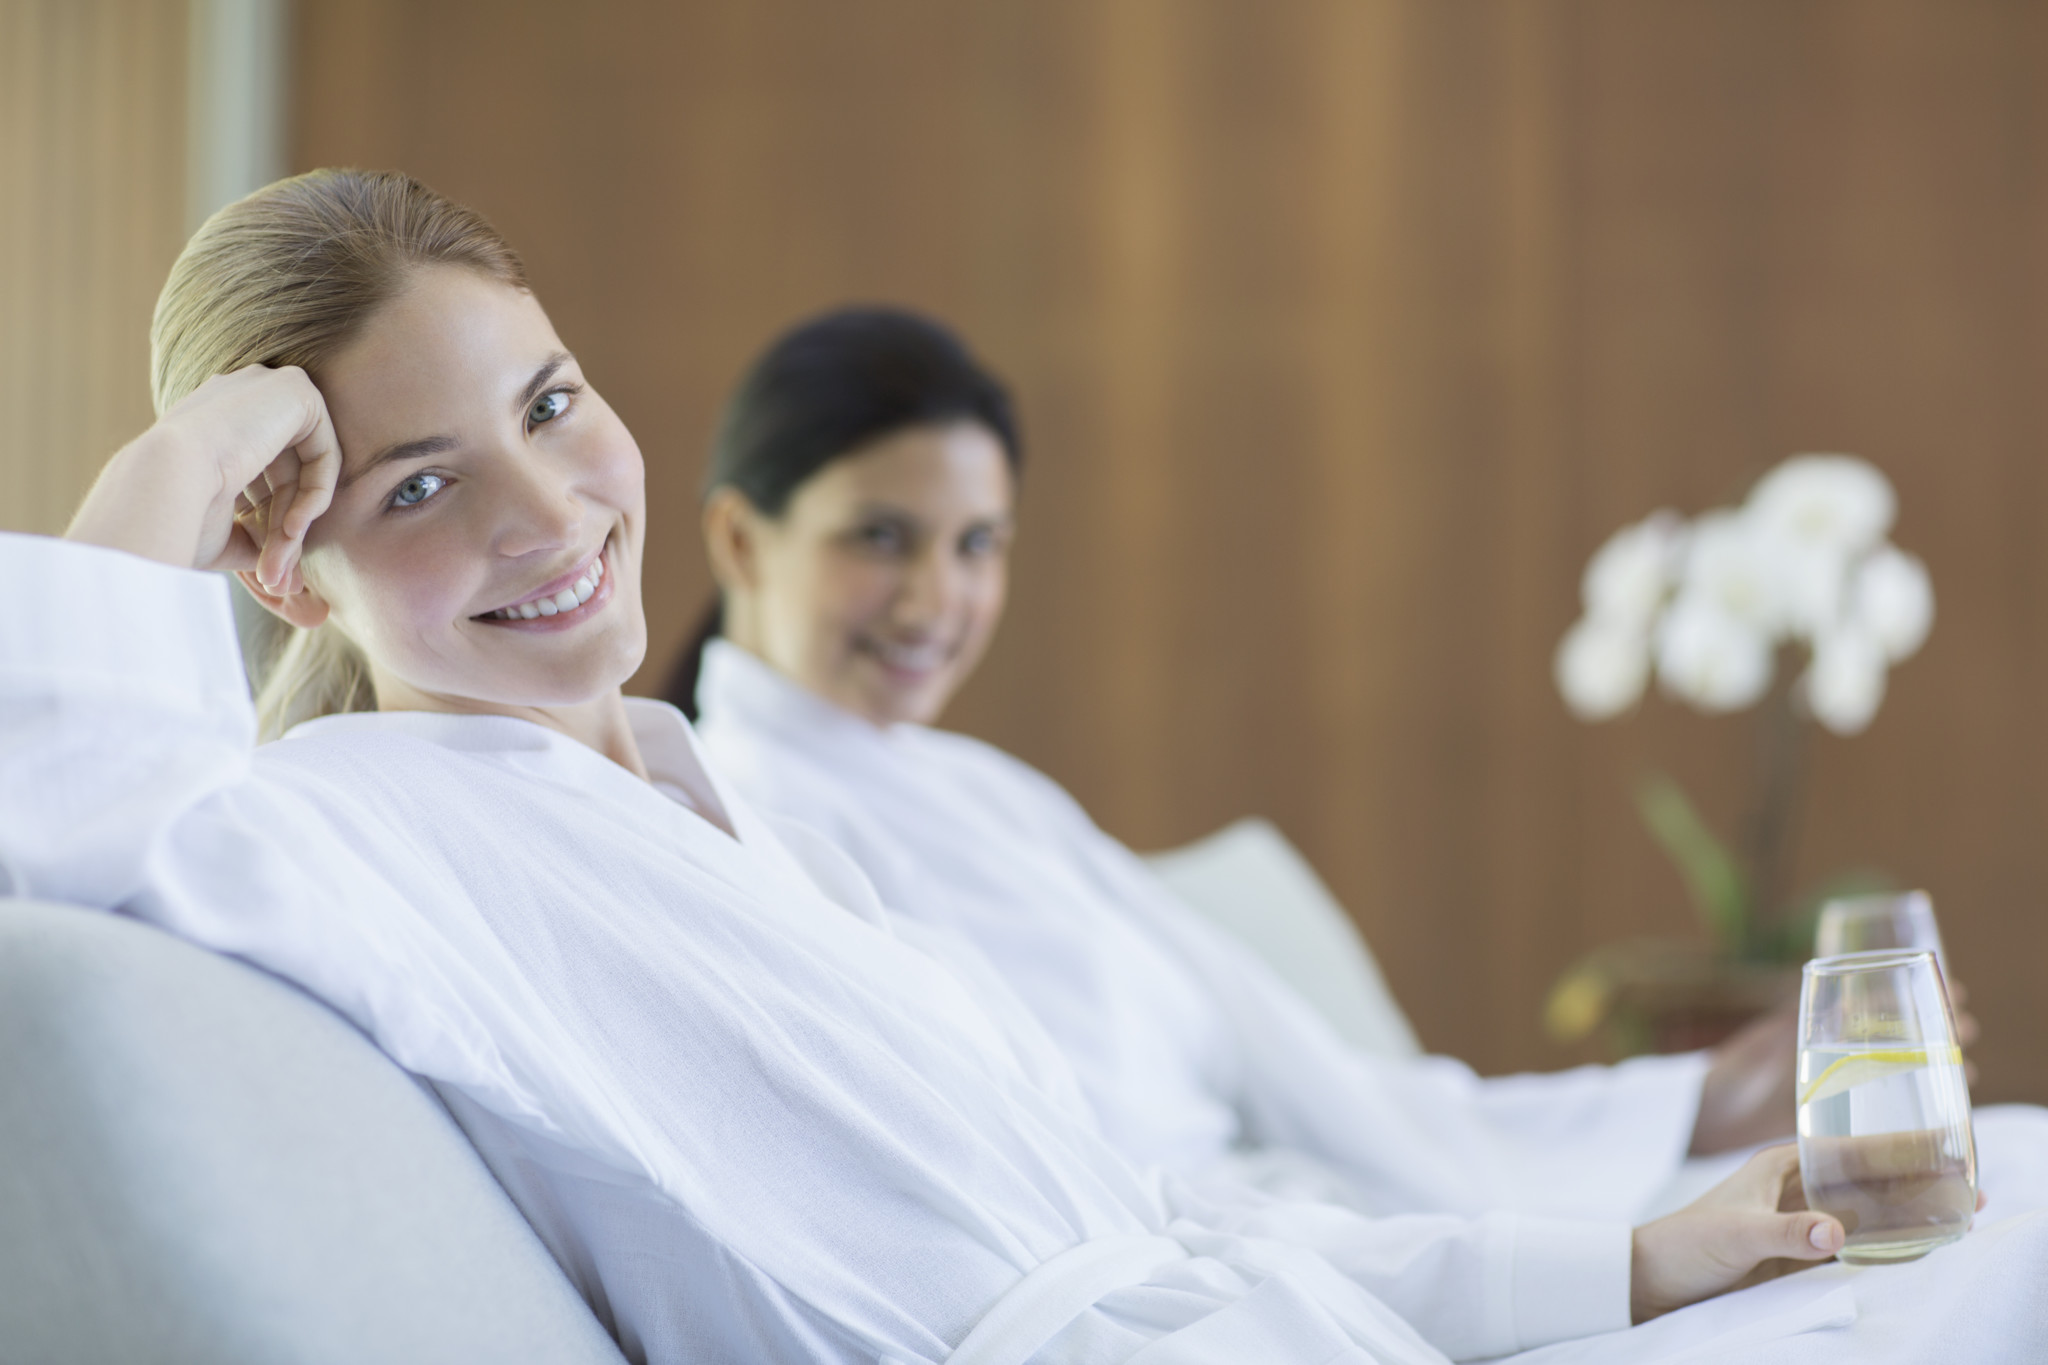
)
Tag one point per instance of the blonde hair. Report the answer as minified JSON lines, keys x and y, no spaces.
{"x":288,"y":276}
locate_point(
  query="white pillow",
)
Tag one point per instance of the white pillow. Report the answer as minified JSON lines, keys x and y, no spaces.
{"x":1249,"y":881}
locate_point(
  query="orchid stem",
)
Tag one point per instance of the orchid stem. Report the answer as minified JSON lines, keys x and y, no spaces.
{"x":1774,"y":823}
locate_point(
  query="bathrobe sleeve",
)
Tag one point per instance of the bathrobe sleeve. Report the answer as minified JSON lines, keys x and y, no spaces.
{"x":114,"y":722}
{"x":1430,"y":1134}
{"x":128,"y":782}
{"x":1592,"y":1142}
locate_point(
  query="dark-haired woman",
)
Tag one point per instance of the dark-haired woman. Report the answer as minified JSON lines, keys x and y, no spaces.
{"x":858,"y":517}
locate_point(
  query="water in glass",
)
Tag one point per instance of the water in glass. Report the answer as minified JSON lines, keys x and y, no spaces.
{"x":1884,"y":1110}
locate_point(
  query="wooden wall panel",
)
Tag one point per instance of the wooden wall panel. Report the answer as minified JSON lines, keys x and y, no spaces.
{"x":92,"y":206}
{"x":1345,"y":330}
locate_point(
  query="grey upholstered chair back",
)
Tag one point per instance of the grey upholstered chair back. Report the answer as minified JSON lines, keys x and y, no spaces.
{"x":200,"y":1163}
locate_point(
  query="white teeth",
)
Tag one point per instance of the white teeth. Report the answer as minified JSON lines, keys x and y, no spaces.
{"x":568,"y":599}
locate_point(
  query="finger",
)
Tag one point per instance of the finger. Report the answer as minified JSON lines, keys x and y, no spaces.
{"x":279,"y":550}
{"x":1807,"y":1237}
{"x":1982,"y":1200}
{"x":240,"y":551}
{"x":316,"y":460}
{"x":1966,"y":1027}
{"x":319,"y":475}
{"x":1958,"y":995}
{"x":277,"y":563}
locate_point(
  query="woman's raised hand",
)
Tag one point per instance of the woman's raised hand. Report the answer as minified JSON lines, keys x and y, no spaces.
{"x":230,"y":478}
{"x":1751,"y":1227}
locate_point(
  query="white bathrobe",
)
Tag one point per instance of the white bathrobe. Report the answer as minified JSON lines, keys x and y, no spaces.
{"x":1193,"y":1053}
{"x":1196,"y":1056}
{"x":752,"y":1121}
{"x":750,"y":1118}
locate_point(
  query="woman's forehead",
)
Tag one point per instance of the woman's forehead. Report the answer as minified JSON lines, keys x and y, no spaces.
{"x":452,"y":348}
{"x":954,"y":464}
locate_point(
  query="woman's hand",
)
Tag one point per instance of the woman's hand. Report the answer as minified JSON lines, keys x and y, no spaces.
{"x":229,"y":478}
{"x":1751,"y":1227}
{"x":1749,"y":1093}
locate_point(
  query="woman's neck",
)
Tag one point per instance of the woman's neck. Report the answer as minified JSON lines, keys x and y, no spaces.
{"x":600,"y":723}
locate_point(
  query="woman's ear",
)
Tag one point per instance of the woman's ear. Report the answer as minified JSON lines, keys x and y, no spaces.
{"x":731,"y":539}
{"x":295,"y":602}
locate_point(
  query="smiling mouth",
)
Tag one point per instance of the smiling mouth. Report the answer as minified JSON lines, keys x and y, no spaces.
{"x":559,"y":603}
{"x":915,"y":660}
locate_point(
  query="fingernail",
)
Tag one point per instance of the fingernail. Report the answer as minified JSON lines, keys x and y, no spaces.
{"x":1822,"y":1237}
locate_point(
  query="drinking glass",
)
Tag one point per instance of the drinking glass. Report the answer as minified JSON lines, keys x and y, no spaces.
{"x":1862,"y":924}
{"x":1884,"y":1112}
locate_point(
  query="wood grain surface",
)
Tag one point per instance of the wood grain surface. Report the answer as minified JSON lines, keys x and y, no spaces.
{"x":1344,"y":331}
{"x":92,"y":213}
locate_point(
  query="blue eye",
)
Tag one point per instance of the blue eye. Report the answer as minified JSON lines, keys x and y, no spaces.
{"x":417,"y":490}
{"x":548,"y":407}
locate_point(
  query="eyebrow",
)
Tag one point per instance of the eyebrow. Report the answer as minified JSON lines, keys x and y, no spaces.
{"x":890,"y":509}
{"x":436,"y":445}
{"x":540,"y":379}
{"x":392,"y":454}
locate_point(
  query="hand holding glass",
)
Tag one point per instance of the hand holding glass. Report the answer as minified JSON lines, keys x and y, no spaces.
{"x":1884,"y":1112}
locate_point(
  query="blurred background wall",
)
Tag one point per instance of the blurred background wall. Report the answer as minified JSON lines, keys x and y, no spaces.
{"x":92,"y":212}
{"x":1344,"y":331}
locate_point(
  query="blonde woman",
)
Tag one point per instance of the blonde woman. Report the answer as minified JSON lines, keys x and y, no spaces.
{"x":750,"y":1114}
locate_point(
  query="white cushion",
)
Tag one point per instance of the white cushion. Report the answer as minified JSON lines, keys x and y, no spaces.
{"x":1249,"y":881}
{"x":200,"y":1163}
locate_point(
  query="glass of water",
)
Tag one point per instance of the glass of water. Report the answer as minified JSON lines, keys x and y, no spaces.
{"x":1884,"y":1112}
{"x":1862,"y":924}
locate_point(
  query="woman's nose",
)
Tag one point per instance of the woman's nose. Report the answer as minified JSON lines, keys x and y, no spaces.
{"x":538,"y":510}
{"x":929,"y":590}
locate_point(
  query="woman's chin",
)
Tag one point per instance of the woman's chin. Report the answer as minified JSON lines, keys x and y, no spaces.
{"x":595,"y":676}
{"x":890,"y":700}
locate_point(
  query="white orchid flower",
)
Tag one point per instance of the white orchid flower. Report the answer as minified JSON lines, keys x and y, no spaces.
{"x":1836,"y":503}
{"x":1602,"y":666}
{"x":1813,"y":583}
{"x":1630,"y":576}
{"x":1711,"y":657}
{"x":1845,"y":683}
{"x":1704,"y":607}
{"x":1892,"y":597}
{"x":1733,"y":567}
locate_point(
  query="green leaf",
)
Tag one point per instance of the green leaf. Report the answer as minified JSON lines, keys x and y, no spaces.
{"x":1716,"y":884}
